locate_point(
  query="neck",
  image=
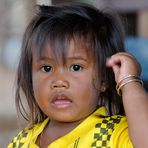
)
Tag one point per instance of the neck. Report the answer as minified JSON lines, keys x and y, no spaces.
{"x":55,"y":130}
{"x":62,"y":125}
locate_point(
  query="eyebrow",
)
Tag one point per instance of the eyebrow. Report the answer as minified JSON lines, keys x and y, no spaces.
{"x":44,"y":58}
{"x":77,"y":58}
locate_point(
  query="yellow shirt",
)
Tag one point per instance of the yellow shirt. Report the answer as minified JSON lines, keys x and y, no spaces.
{"x":93,"y":132}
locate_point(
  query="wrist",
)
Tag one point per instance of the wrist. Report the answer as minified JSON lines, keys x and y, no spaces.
{"x":129,"y":80}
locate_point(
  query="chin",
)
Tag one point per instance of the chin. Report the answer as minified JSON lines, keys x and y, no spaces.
{"x":64,"y":120}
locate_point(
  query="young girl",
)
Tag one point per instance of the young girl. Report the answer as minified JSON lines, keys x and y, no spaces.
{"x":76,"y":78}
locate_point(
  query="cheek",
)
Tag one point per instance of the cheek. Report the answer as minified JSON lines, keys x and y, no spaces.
{"x":35,"y":83}
{"x":86,"y":88}
{"x":41,"y":91}
{"x":88,"y":98}
{"x":39,"y":87}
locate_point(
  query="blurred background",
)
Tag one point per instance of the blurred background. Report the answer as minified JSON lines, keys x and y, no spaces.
{"x":15,"y":15}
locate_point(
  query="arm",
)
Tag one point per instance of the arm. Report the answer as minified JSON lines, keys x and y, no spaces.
{"x":135,"y":98}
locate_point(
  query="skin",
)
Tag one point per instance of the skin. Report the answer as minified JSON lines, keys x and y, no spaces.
{"x":64,"y":92}
{"x":135,"y":98}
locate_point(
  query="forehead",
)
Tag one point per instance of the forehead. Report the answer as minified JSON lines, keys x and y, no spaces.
{"x":72,"y":48}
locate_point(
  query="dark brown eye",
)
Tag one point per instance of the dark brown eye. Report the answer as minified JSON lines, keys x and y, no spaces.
{"x":75,"y":67}
{"x":47,"y":68}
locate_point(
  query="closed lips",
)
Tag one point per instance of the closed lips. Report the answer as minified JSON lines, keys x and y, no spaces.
{"x":61,"y":100}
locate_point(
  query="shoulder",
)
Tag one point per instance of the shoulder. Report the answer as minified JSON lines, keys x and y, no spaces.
{"x":104,"y":130}
{"x":116,"y":123}
{"x":20,"y":138}
{"x":27,"y":135}
{"x":110,"y":122}
{"x":106,"y":125}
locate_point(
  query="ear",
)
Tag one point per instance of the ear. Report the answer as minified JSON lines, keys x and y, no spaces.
{"x":104,"y":86}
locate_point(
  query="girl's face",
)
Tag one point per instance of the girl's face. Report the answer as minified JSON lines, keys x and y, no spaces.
{"x":64,"y":92}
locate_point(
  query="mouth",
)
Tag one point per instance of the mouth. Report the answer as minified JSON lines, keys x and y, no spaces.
{"x":61,"y":101}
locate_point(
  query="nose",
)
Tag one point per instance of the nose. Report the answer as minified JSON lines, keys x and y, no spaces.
{"x":60,"y":79}
{"x":60,"y":84}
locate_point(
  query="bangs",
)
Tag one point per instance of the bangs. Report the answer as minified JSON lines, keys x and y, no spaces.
{"x":58,"y":35}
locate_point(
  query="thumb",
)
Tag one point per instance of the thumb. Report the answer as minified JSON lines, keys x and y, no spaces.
{"x":115,"y":67}
{"x":116,"y":71}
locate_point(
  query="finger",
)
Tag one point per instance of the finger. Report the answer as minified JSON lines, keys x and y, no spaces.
{"x":115,"y":69}
{"x":113,"y":60}
{"x":131,"y":57}
{"x":125,"y":55}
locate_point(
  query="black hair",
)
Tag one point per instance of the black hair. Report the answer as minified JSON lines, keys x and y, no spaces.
{"x":58,"y":25}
